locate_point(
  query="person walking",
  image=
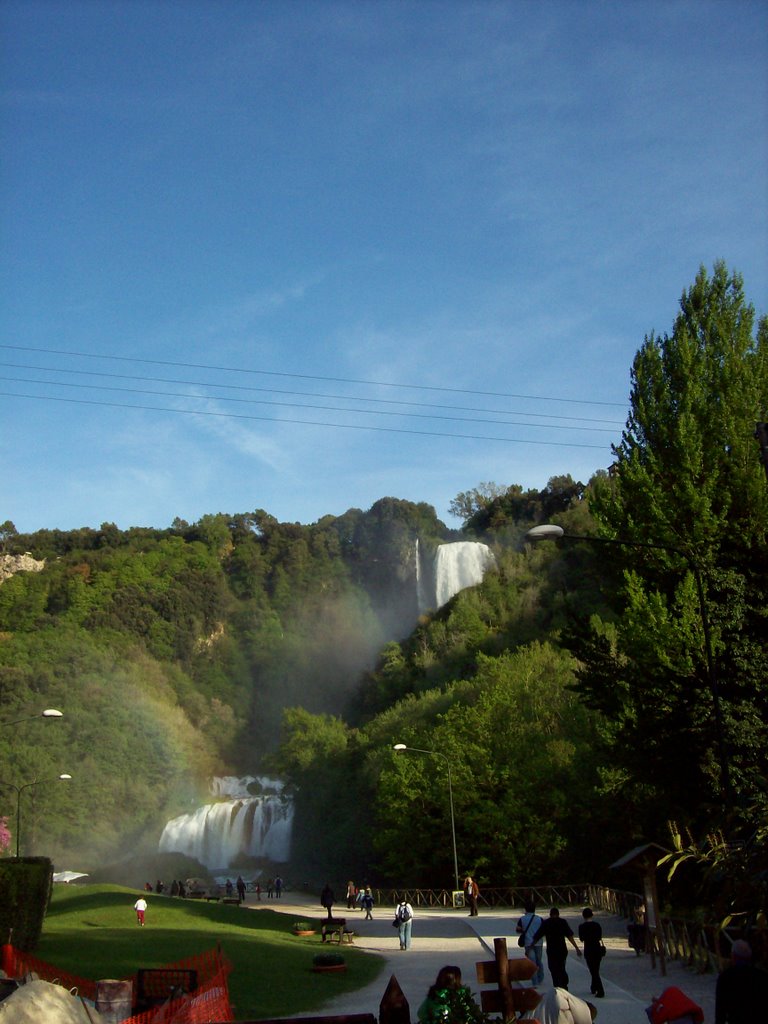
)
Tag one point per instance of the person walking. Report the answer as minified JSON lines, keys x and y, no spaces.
{"x":404,"y":922}
{"x":527,"y":926}
{"x":278,"y":887}
{"x":591,"y":935}
{"x":241,"y":888}
{"x":368,"y":903}
{"x":327,"y":899}
{"x":556,"y":930}
{"x":140,"y":906}
{"x":471,"y":892}
{"x":351,"y":895}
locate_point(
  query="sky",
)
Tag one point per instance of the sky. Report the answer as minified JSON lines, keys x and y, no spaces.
{"x":300,"y":255}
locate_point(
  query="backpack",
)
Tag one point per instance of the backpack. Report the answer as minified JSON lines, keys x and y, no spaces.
{"x":403,"y":913}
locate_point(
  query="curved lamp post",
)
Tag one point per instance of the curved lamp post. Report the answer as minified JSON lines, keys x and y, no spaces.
{"x":438,"y":753}
{"x":48,"y":713}
{"x":548,"y":531}
{"x":19,"y":790}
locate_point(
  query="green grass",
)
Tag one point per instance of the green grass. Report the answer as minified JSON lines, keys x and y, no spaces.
{"x":91,"y":931}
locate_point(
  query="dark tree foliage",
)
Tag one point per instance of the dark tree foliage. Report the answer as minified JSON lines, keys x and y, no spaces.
{"x":688,"y":479}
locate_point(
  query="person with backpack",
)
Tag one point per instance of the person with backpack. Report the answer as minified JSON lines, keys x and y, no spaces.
{"x":404,"y":922}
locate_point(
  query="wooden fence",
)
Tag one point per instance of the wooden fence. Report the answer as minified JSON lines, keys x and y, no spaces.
{"x":702,"y":946}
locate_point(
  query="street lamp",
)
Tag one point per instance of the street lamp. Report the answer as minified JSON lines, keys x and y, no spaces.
{"x":438,"y":753}
{"x":48,"y":713}
{"x":19,"y":790}
{"x":549,"y":531}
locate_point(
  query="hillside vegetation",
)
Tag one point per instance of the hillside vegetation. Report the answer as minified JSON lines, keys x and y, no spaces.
{"x":586,"y":694}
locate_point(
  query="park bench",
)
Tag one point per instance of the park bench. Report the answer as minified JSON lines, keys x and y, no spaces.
{"x":156,"y":985}
{"x":335,"y":929}
{"x":231,"y":899}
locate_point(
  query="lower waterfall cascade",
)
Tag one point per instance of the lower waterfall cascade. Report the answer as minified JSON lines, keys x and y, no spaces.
{"x":241,"y":823}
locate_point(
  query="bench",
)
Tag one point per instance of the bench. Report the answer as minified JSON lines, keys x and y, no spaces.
{"x":335,"y":929}
{"x":232,"y":899}
{"x":156,"y":985}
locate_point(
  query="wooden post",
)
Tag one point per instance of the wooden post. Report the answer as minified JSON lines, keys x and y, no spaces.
{"x":502,"y":962}
{"x":394,"y":1008}
{"x":506,"y":998}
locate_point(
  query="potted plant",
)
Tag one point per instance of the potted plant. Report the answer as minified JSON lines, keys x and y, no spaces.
{"x":323,"y":962}
{"x":302,"y":928}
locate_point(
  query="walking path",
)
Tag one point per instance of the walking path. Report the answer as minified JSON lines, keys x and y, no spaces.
{"x":452,"y":937}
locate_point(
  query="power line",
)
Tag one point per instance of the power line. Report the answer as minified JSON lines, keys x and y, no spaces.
{"x":294,"y":405}
{"x":309,"y":423}
{"x":277,"y":391}
{"x":306,"y":376}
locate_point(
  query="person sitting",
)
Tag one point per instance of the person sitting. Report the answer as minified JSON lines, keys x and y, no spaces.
{"x":448,"y":1001}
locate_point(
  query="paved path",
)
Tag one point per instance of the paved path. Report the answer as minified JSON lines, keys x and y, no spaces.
{"x":451,"y":937}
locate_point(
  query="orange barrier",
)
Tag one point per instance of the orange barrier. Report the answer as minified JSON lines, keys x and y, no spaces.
{"x":209,"y":1001}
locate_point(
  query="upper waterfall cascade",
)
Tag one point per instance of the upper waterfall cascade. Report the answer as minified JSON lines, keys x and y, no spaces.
{"x":217,"y":833}
{"x":455,"y":567}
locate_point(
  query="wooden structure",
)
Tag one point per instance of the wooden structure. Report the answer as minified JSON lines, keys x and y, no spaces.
{"x":334,"y":929}
{"x":644,"y":859}
{"x":508,"y":998}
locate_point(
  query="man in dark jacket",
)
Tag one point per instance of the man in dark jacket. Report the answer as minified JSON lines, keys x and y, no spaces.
{"x":741,"y":992}
{"x":556,"y":930}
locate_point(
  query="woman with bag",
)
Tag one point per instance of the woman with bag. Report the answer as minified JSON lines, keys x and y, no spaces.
{"x":591,"y":935}
{"x":527,"y":926}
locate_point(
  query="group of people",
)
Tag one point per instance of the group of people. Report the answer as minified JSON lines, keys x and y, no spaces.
{"x":360,"y":899}
{"x":533,"y":930}
{"x":240,"y":885}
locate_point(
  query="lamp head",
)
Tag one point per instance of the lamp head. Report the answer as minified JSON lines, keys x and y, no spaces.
{"x":400,"y":746}
{"x":65,"y":776}
{"x":547,"y":531}
{"x":51,"y":713}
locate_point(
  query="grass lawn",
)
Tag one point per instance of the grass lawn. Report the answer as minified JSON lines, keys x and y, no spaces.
{"x":91,"y":931}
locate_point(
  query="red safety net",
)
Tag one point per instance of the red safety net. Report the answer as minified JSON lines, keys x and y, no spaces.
{"x":17,"y":964}
{"x":208,"y":1002}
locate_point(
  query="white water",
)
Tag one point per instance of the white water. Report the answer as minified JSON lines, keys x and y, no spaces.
{"x":458,"y":566}
{"x":215,"y":834}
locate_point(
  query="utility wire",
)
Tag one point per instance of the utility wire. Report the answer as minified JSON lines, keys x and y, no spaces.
{"x":305,"y":394}
{"x":306,"y":376}
{"x":310,"y":423}
{"x":304,"y":405}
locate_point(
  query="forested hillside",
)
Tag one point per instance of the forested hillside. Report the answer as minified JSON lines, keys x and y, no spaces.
{"x":599,"y":686}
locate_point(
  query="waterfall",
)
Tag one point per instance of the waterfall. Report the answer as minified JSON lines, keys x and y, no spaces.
{"x":240,"y":823}
{"x":457,"y":566}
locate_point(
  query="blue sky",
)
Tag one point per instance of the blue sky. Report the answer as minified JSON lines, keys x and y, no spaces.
{"x":299,"y":256}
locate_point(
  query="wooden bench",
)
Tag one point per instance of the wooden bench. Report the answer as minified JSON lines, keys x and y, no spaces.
{"x":335,"y":930}
{"x":156,"y":985}
{"x":232,"y":900}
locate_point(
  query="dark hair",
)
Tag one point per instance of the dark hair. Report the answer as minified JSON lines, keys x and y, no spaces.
{"x":587,"y":912}
{"x":447,"y":977}
{"x":554,"y":912}
{"x":530,"y":907}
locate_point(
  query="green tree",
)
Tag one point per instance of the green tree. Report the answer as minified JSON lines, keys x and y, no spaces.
{"x":687,"y":477}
